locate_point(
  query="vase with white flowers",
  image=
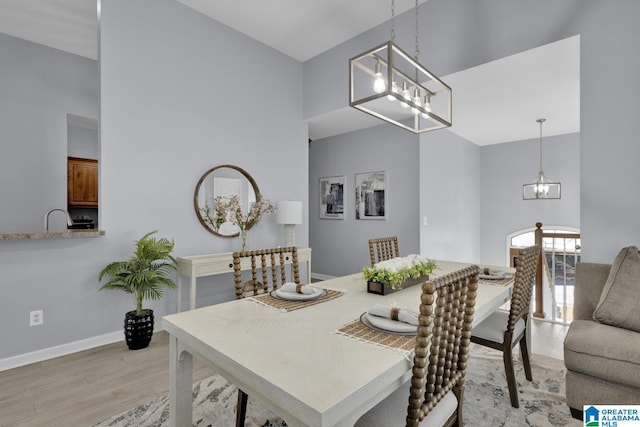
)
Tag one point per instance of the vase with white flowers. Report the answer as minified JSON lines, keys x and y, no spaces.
{"x":227,"y":210}
{"x":397,"y":273}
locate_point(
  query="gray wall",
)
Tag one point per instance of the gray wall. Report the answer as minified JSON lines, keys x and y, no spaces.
{"x":504,"y":168}
{"x":471,"y":196}
{"x":609,"y":149}
{"x":39,"y":86}
{"x":340,"y":246}
{"x":440,"y":167}
{"x":458,"y":34}
{"x":173,"y":105}
{"x":450,"y":197}
{"x":83,"y":142}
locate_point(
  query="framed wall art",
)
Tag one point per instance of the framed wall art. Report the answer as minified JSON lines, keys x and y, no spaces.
{"x":371,"y":195}
{"x":332,"y":197}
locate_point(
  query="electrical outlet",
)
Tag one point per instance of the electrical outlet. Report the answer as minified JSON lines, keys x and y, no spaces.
{"x":36,"y":318}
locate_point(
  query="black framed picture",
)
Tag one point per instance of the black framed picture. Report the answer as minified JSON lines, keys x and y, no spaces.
{"x":332,"y":197}
{"x":370,"y":199}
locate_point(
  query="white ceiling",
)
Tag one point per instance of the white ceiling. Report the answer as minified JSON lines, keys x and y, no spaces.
{"x":493,"y":103}
{"x":501,"y":100}
{"x":68,"y":25}
{"x":301,"y":29}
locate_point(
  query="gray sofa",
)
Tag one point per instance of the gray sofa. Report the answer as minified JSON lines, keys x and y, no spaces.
{"x":602,"y":361}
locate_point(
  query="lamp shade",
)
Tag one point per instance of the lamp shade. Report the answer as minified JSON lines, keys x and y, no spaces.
{"x":289,"y":212}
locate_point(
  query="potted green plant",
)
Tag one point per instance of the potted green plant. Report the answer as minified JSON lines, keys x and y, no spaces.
{"x":397,"y":273}
{"x":145,"y":275}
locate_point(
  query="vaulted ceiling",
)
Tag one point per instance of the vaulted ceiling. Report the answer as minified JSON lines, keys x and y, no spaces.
{"x":493,"y":103}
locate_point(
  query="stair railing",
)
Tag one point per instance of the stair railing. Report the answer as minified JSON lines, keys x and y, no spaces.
{"x":540,"y":235}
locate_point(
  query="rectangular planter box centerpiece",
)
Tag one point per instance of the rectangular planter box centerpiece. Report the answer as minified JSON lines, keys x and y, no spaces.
{"x":384,"y":289}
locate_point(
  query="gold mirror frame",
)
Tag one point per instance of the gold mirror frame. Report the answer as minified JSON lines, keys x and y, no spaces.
{"x":196,"y":195}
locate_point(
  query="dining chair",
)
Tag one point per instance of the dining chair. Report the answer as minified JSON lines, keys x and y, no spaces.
{"x":434,"y":393}
{"x":268,"y":272}
{"x":383,"y":248}
{"x":503,"y":329}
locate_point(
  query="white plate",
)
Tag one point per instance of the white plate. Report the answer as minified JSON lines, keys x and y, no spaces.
{"x":294,"y":296}
{"x":387,"y":325}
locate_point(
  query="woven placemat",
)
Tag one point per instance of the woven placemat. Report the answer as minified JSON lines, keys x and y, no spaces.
{"x":503,"y":282}
{"x":359,"y":331}
{"x":284,"y":305}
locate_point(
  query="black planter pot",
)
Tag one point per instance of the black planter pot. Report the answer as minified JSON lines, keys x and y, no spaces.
{"x":138,"y":329}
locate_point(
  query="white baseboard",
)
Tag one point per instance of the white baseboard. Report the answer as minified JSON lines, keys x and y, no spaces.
{"x":63,"y":349}
{"x":319,"y":276}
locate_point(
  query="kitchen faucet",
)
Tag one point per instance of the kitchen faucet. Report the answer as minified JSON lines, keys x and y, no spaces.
{"x":46,"y":218}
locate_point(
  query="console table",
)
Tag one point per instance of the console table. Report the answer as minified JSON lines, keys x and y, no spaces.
{"x":211,"y":264}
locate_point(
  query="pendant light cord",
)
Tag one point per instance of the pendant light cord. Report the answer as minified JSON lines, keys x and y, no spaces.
{"x":417,"y":52}
{"x":393,"y":21}
{"x":541,"y":121}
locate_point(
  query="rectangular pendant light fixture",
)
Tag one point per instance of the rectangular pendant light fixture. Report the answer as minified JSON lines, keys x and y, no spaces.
{"x":542,"y":187}
{"x":387,"y":83}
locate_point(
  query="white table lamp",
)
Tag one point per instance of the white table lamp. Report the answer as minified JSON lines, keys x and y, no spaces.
{"x":289,"y":214}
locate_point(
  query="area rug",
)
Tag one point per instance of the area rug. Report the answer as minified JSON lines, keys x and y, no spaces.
{"x":486,"y":399}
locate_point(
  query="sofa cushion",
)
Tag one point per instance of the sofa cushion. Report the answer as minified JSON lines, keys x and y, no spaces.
{"x":619,"y":303}
{"x":603,"y":351}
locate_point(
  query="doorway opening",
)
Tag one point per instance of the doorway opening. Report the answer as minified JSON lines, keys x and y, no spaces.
{"x":82,"y":171}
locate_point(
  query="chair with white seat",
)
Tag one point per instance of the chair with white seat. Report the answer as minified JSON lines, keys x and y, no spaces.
{"x":433,"y":396}
{"x":383,"y":248}
{"x":502,"y":330}
{"x":268,"y":272}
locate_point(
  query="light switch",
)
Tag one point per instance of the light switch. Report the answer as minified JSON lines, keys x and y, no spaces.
{"x":424,"y":220}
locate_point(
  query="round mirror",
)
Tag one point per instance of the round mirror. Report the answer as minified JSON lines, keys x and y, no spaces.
{"x":223,"y":182}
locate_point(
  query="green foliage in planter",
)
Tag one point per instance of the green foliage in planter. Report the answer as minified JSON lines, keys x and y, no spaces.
{"x":146,"y":273}
{"x":394,"y":271}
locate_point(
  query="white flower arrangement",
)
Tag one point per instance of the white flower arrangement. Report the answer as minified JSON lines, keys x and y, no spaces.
{"x":228,"y":209}
{"x":394,"y":271}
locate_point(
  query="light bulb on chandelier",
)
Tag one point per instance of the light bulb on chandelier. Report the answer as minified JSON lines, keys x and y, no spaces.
{"x":405,"y":94}
{"x":394,"y":89}
{"x":379,"y":84}
{"x":427,"y":105}
{"x":543,"y":189}
{"x":416,"y":101}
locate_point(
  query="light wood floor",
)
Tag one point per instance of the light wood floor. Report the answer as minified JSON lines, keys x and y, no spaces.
{"x":548,"y":338}
{"x":87,"y":387}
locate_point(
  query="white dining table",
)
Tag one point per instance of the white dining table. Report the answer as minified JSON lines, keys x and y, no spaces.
{"x":294,"y":362}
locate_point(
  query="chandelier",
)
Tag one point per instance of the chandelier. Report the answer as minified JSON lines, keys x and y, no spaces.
{"x":542,"y":187}
{"x":391,"y":85}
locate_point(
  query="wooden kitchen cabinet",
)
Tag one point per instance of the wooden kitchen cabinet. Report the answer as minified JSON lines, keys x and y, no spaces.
{"x":82,"y":182}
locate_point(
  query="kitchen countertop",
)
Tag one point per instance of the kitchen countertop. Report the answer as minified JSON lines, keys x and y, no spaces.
{"x":65,"y":234}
